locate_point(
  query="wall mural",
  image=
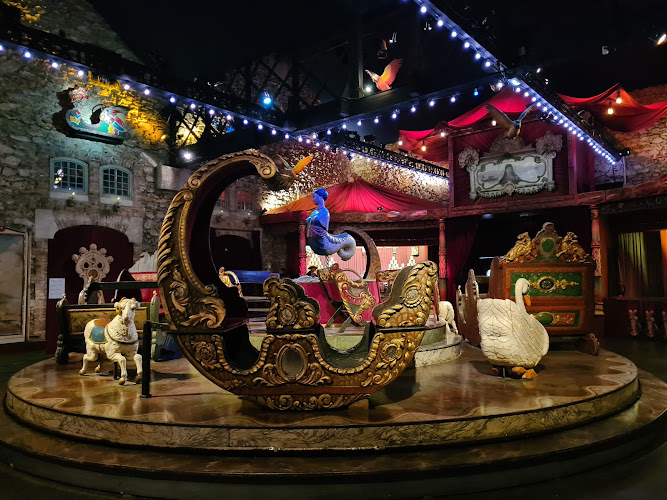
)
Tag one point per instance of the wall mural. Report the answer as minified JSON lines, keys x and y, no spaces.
{"x":510,"y":167}
{"x":13,"y":262}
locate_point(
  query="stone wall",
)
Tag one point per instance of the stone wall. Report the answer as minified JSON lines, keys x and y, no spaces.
{"x":76,"y":20}
{"x":648,"y":148}
{"x":32,"y":131}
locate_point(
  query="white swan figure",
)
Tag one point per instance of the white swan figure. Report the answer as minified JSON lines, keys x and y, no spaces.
{"x":512,"y":338}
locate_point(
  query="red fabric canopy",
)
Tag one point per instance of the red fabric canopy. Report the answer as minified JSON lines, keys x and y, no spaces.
{"x":360,"y":197}
{"x":509,"y":102}
{"x":629,"y":115}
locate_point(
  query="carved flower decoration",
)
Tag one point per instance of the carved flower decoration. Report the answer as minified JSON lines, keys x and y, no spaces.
{"x":468,"y":157}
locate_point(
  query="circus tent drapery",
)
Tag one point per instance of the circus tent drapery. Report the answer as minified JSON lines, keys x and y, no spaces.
{"x":628,"y":115}
{"x":358,"y":196}
{"x":509,"y":102}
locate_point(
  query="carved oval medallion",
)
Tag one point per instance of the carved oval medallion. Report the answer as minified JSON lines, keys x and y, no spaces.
{"x":291,"y":362}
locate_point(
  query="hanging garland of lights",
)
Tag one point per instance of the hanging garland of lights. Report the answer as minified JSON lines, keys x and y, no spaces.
{"x":572,"y":123}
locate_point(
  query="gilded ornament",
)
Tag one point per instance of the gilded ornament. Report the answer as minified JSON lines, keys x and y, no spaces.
{"x":570,"y":250}
{"x":523,"y":249}
{"x":548,"y":284}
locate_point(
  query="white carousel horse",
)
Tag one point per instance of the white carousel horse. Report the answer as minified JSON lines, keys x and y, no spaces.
{"x":116,"y":339}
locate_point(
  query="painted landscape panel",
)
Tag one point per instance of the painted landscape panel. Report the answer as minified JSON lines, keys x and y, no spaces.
{"x":12,"y":285}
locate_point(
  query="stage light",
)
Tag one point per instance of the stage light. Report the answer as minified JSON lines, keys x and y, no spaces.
{"x":326,"y":147}
{"x":307,"y":141}
{"x":266,"y":99}
{"x":517,"y":89}
{"x":314,"y":136}
{"x":526,"y":94}
{"x":344,"y":126}
{"x":300,"y":139}
{"x":328,"y":131}
{"x":187,"y":155}
{"x":662,"y":39}
{"x":286,"y":136}
{"x":443,"y":134}
{"x":400,"y":143}
{"x":317,"y":144}
{"x":2,"y":48}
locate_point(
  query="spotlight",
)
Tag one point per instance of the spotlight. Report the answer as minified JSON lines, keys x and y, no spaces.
{"x":260,"y":126}
{"x":662,"y":39}
{"x":286,"y":136}
{"x":400,"y":143}
{"x":266,"y":99}
{"x":328,"y":131}
{"x":487,"y":64}
{"x":344,"y":126}
{"x":443,"y":134}
{"x":493,"y":123}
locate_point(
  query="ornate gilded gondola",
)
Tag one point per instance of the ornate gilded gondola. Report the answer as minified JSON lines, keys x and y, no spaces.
{"x":295,"y":368}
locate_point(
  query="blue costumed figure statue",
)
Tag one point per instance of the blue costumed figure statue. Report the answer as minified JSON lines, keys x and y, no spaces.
{"x":318,"y":236}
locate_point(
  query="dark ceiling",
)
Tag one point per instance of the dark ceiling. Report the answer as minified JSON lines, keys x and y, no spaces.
{"x":206,"y":39}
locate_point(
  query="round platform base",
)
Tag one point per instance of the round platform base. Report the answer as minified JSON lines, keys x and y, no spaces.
{"x":581,"y":412}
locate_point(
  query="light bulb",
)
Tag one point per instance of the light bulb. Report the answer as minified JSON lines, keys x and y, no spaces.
{"x":328,"y":131}
{"x":453,"y":34}
{"x":344,"y":126}
{"x":413,"y":109}
{"x":359,"y":123}
{"x":286,"y":136}
{"x":172,"y":100}
{"x":526,"y":94}
{"x":393,"y":115}
{"x":368,"y":89}
{"x":440,"y":23}
{"x":475,"y":93}
{"x":431,"y":103}
{"x":610,"y":111}
{"x":245,"y":121}
{"x":466,"y":45}
{"x":400,"y":143}
{"x":493,"y":123}
{"x":211,"y":112}
{"x":27,"y":54}
{"x":487,"y":64}
{"x":423,"y":9}
{"x":260,"y":126}
{"x":619,"y":100}
{"x":452,"y":99}
{"x":443,"y":134}
{"x":273,"y":132}
{"x":193,"y":105}
{"x":54,"y":65}
{"x":377,"y":120}
{"x":80,"y":73}
{"x":228,"y":117}
{"x":147,"y":92}
{"x":423,"y":148}
{"x":478,"y":55}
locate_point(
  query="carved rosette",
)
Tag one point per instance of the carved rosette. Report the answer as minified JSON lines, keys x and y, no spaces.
{"x":417,"y":298}
{"x":290,"y":372}
{"x":289,"y":308}
{"x":468,"y":158}
{"x":189,"y":304}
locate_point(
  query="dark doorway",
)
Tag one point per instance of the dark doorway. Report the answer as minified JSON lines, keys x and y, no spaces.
{"x":66,"y":243}
{"x":234,"y":253}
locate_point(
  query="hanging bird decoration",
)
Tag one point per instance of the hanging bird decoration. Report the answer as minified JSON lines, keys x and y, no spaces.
{"x":382,"y":52}
{"x":502,"y":120}
{"x":301,"y":164}
{"x":383,"y":82}
{"x":286,"y":176}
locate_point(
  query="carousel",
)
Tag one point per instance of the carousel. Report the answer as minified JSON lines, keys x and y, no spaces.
{"x":287,"y":409}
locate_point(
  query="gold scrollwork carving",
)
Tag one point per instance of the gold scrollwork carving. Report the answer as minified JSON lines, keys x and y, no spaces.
{"x":289,"y":307}
{"x":417,"y":298}
{"x":570,"y":249}
{"x":307,"y":402}
{"x":548,"y":284}
{"x":523,"y":249}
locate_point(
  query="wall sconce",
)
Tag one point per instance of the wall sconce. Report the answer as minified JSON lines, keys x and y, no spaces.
{"x":116,"y":206}
{"x":70,"y":200}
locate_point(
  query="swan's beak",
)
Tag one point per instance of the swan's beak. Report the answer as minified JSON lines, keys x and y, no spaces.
{"x":526,"y":300}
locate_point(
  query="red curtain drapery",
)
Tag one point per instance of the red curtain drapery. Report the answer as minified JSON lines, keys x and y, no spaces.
{"x":460,"y":236}
{"x":628,"y":116}
{"x":437,"y":149}
{"x":359,"y":196}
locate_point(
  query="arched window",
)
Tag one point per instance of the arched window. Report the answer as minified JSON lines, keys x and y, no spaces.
{"x":69,"y":175}
{"x":115,"y":181}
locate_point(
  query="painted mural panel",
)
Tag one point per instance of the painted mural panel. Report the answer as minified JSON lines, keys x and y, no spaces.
{"x":12,"y":286}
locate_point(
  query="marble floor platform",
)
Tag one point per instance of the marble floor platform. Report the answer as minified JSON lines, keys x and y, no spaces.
{"x":454,"y":403}
{"x":384,"y":472}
